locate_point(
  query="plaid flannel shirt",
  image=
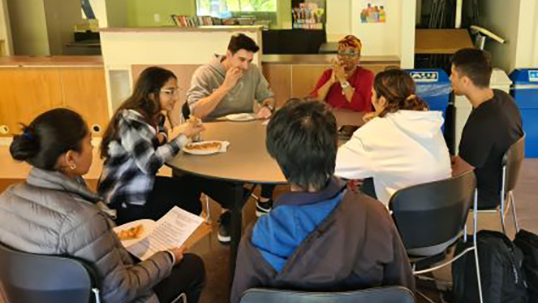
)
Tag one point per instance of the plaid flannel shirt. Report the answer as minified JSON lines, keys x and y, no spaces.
{"x":135,"y":157}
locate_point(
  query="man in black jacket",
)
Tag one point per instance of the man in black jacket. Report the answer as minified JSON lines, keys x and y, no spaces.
{"x":320,"y":236}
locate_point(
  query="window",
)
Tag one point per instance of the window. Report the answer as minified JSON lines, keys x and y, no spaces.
{"x":230,"y":8}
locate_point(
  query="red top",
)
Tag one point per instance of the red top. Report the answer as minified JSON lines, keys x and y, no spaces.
{"x":362,"y":81}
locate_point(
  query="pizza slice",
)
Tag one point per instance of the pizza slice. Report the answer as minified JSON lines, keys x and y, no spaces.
{"x":130,"y":233}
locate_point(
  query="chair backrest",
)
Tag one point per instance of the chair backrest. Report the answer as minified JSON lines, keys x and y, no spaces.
{"x":32,"y":278}
{"x":433,"y":213}
{"x":394,"y":294}
{"x":513,"y":160}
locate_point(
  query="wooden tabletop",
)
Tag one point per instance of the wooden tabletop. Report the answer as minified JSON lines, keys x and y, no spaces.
{"x":441,"y":41}
{"x":50,"y":61}
{"x":247,"y":159}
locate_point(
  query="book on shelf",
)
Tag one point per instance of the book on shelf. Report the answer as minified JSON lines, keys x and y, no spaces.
{"x":194,"y":21}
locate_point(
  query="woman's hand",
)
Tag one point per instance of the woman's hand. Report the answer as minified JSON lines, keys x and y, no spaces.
{"x":178,"y":253}
{"x":188,"y":129}
{"x":339,"y":72}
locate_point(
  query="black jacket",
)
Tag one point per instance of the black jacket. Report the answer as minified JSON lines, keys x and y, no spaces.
{"x":357,"y":246}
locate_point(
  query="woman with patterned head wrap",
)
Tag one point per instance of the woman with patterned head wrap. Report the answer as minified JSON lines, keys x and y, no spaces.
{"x":346,"y":84}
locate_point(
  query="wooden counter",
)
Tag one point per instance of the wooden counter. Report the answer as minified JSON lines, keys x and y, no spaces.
{"x":325,"y":59}
{"x":51,"y":61}
{"x":441,"y":41}
{"x":296,"y":75}
{"x":31,"y":85}
{"x":216,"y":28}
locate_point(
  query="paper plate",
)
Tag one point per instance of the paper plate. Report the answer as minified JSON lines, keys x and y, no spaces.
{"x":197,"y":148}
{"x":243,"y":117}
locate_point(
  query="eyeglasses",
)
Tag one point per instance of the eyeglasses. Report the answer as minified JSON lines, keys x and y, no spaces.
{"x":348,"y":53}
{"x":171,"y":91}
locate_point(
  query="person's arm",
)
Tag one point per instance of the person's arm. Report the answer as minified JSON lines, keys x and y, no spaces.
{"x":460,"y":166}
{"x":137,"y":141}
{"x":475,"y":145}
{"x":352,"y":161}
{"x":323,"y":91}
{"x":245,"y":270}
{"x":94,"y":242}
{"x":398,"y":271}
{"x":267,"y":109}
{"x":362,"y":89}
{"x":324,"y":85}
{"x":206,"y":105}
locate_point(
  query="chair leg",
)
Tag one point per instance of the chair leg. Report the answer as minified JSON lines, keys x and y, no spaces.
{"x":478,"y":279}
{"x":475,"y":243}
{"x":514,"y":213}
{"x":208,"y":216}
{"x":503,"y":203}
{"x":425,"y":297}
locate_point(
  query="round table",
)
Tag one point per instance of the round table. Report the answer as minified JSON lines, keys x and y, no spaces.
{"x":246,"y":161}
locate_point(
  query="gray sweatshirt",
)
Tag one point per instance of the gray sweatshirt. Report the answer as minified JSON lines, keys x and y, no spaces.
{"x":208,"y":78}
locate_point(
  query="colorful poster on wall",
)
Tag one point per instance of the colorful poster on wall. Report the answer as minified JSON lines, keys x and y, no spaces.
{"x":373,"y":11}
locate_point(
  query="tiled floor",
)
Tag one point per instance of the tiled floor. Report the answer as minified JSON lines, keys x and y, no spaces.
{"x":216,"y":255}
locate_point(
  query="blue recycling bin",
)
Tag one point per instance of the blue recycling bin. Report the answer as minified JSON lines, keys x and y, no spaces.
{"x":525,"y":92}
{"x":434,"y":87}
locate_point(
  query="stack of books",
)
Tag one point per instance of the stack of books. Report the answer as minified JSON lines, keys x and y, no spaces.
{"x":194,"y":21}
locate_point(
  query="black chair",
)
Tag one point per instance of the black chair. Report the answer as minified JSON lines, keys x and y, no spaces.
{"x":511,"y":163}
{"x":32,"y":278}
{"x":394,"y":294}
{"x":431,"y":217}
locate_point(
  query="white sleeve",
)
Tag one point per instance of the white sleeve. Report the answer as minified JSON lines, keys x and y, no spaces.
{"x":353,"y":161}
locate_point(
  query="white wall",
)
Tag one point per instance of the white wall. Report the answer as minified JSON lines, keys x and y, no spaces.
{"x":62,"y":16}
{"x":394,"y":38}
{"x":5,"y":28}
{"x":517,"y":22}
{"x":527,"y":43}
{"x":338,"y":19}
{"x":28,"y":27}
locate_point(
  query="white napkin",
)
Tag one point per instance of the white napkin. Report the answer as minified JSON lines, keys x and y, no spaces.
{"x":224,"y":146}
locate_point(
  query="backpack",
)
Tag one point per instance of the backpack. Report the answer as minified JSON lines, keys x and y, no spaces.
{"x":501,"y":271}
{"x":528,"y":243}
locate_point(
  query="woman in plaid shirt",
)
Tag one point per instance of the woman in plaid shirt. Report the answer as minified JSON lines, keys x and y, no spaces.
{"x":136,"y":145}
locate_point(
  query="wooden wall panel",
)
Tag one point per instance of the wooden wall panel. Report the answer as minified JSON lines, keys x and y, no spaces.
{"x":25,"y":93}
{"x":279,"y":78}
{"x":84,"y":90}
{"x":304,"y":79}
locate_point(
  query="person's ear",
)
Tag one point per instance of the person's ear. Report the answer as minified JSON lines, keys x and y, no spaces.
{"x":67,"y":161}
{"x":382,"y":101}
{"x":71,"y":159}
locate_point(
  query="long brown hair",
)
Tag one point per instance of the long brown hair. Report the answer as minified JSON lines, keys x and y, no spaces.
{"x":398,"y":88}
{"x":150,"y":82}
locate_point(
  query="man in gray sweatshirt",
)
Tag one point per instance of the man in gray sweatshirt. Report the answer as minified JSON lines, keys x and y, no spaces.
{"x":231,"y":84}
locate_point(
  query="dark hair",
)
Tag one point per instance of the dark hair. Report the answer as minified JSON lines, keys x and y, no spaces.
{"x":150,"y":82}
{"x":50,"y":135}
{"x":398,"y":88}
{"x":302,"y":138}
{"x":242,"y":41}
{"x":474,"y":64}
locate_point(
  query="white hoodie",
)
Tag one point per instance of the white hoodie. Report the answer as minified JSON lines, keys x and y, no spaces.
{"x":399,"y":150}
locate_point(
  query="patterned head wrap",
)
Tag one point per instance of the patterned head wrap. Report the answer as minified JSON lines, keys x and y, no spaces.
{"x":351,"y":41}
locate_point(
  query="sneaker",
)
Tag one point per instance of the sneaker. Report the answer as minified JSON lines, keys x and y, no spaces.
{"x":263,"y":208}
{"x":224,"y":227}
